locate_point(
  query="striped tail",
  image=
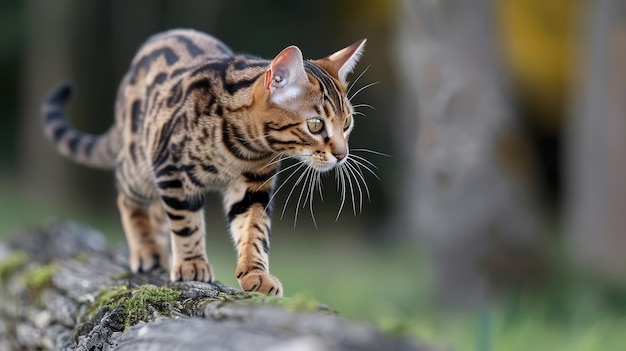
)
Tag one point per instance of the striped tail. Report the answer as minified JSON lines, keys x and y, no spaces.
{"x":98,"y":151}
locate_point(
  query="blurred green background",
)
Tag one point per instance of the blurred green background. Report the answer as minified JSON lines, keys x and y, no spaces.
{"x":535,"y":293}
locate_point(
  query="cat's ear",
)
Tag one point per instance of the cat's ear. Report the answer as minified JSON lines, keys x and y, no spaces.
{"x":286,"y":76}
{"x":343,"y":61}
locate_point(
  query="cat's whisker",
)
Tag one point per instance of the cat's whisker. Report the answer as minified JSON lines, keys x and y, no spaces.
{"x":364,"y":105}
{"x":274,"y":160}
{"x":358,"y":113}
{"x":301,"y":164}
{"x":358,"y":171}
{"x":307,"y":172}
{"x":350,"y":169}
{"x":341,"y":180}
{"x":276,"y":175}
{"x":277,"y":158}
{"x":308,"y":184}
{"x":314,"y":178}
{"x":319,"y":185}
{"x":357,"y":79}
{"x":361,"y":164}
{"x":372,"y":152}
{"x":282,"y":170}
{"x":363,"y":159}
{"x":351,"y":192}
{"x":358,"y":185}
{"x":293,"y":187}
{"x":361,"y":89}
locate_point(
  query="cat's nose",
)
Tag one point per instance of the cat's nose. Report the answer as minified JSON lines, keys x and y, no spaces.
{"x":340,"y":154}
{"x":339,"y":149}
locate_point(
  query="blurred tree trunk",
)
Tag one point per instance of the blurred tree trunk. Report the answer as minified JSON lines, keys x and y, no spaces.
{"x":47,"y":35}
{"x":597,"y":143}
{"x":469,"y":181}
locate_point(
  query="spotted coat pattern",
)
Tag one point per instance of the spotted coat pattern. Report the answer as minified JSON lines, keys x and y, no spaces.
{"x":192,"y":116}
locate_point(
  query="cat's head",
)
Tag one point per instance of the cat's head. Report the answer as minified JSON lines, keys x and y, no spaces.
{"x":307,"y":113}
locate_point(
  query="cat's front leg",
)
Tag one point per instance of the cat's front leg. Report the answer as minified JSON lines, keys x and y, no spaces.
{"x":184,"y":207}
{"x":246,"y":204}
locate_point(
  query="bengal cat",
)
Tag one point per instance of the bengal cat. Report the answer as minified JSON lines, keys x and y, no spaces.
{"x":192,"y":116}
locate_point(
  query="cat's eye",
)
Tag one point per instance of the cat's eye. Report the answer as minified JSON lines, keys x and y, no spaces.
{"x":347,"y":122}
{"x":315,"y":125}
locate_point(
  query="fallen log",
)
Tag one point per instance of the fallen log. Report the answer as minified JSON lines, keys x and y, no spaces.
{"x":63,"y":290}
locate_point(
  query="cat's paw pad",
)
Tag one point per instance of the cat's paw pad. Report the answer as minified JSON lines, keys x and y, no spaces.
{"x":260,"y":281}
{"x":147,"y":258}
{"x":195,"y":269}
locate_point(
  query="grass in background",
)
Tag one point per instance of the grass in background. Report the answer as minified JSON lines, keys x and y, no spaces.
{"x":392,"y":287}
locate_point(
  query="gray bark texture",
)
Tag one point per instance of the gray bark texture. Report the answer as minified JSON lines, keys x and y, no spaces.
{"x":62,"y":290}
{"x":596,"y":142}
{"x":469,"y":193}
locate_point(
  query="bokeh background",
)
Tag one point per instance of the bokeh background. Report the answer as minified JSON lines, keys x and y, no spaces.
{"x":499,"y":219}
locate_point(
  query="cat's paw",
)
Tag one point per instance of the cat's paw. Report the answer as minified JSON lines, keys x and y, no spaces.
{"x":147,"y":258}
{"x":195,"y":269}
{"x":260,"y":281}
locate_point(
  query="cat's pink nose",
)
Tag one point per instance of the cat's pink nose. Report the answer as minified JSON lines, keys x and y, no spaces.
{"x":340,"y":155}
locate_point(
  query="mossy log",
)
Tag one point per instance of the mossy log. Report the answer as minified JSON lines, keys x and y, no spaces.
{"x":63,"y":290}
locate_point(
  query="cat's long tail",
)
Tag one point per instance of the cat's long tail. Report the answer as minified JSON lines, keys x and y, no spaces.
{"x":98,"y":151}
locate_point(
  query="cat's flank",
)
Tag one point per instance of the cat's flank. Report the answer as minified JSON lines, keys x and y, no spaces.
{"x":192,"y":116}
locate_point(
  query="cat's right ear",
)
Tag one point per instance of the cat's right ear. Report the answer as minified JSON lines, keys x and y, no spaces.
{"x":286,"y":77}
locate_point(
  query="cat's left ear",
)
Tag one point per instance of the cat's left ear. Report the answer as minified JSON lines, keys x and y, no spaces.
{"x":286,"y":76}
{"x":343,"y":61}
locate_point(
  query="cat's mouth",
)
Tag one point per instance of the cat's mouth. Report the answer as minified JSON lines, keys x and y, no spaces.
{"x":324,"y":165}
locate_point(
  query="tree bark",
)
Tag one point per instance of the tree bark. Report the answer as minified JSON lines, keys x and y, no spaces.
{"x":469,"y":187}
{"x":62,"y":290}
{"x":596,"y":140}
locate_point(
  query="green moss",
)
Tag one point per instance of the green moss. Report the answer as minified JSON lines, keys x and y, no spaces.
{"x":108,"y":299}
{"x":37,"y":278}
{"x":82,"y":257}
{"x":112,"y":297}
{"x":146,"y":298}
{"x":123,"y":276}
{"x":135,"y":305}
{"x":295,"y":303}
{"x":9,"y":265}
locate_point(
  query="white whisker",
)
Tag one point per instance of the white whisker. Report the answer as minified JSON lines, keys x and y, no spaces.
{"x":314,"y":177}
{"x":361,"y":158}
{"x":307,"y":172}
{"x":358,"y":171}
{"x":356,"y":174}
{"x":319,"y":185}
{"x":361,"y":164}
{"x":361,"y":89}
{"x":340,"y":171}
{"x":277,"y":173}
{"x":301,"y":164}
{"x":350,"y":169}
{"x":364,"y":105}
{"x":293,"y":187}
{"x":357,"y":79}
{"x":276,"y":159}
{"x":371,"y":152}
{"x":351,"y":193}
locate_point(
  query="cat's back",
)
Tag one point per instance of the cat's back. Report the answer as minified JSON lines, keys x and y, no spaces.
{"x":180,"y":46}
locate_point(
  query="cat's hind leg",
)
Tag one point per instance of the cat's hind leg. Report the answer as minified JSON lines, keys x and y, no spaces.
{"x":146,"y":230}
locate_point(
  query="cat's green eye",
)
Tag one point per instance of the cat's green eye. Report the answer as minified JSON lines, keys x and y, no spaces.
{"x":315,"y":125}
{"x":347,"y":122}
